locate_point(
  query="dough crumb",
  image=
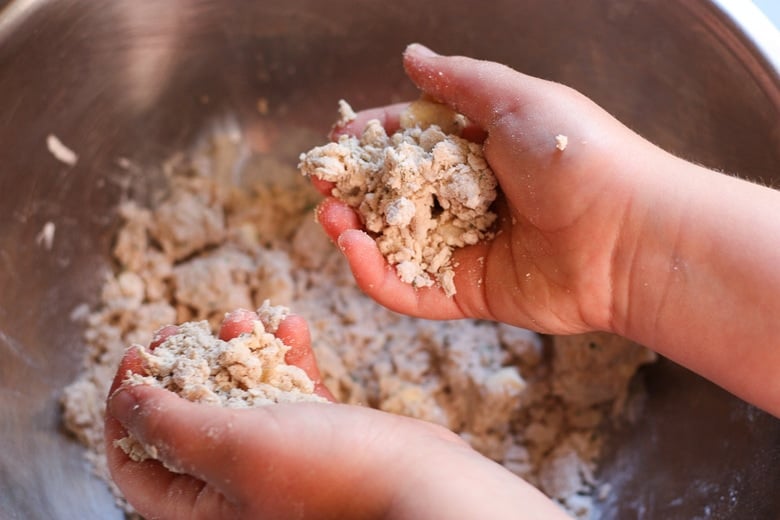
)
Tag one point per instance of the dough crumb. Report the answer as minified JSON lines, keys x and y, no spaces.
{"x":422,"y":192}
{"x":244,"y":372}
{"x":45,"y":237}
{"x":561,"y":142}
{"x":346,"y":114}
{"x":124,"y":163}
{"x":61,"y":152}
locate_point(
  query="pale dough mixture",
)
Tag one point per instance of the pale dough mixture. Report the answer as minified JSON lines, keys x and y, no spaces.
{"x":61,"y":152}
{"x":246,"y":371}
{"x":422,"y":191}
{"x":533,"y":404}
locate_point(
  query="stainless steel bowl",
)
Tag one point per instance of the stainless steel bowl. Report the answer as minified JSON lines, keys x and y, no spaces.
{"x":141,"y":78}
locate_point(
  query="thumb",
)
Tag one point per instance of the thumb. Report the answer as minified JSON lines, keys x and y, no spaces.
{"x":195,"y":439}
{"x":270,"y":461}
{"x":483,"y":91}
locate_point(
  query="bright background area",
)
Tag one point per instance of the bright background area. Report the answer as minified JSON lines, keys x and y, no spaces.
{"x":771,"y":8}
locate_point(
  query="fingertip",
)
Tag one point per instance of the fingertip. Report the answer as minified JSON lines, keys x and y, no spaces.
{"x":481,"y":90}
{"x":351,"y":240}
{"x":237,"y":322}
{"x":294,"y":331}
{"x":149,"y":486}
{"x":324,"y":187}
{"x":369,"y":267}
{"x":335,"y":217}
{"x":379,"y":280}
{"x":132,"y":406}
{"x":342,"y":128}
{"x":418,"y":50}
{"x":162,"y":334}
{"x":321,"y":390}
{"x":416,"y":58}
{"x":121,"y":404}
{"x":131,"y":362}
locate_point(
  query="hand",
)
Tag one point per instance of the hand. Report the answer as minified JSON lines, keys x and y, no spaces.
{"x":303,"y":460}
{"x":610,"y":234}
{"x":550,"y":266}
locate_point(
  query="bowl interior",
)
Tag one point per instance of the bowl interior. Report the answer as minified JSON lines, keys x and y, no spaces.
{"x":141,"y":79}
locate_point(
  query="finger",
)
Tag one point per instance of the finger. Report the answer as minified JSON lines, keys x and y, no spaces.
{"x":379,"y":280}
{"x":237,"y":322}
{"x":336,"y":216}
{"x":153,"y":490}
{"x":389,"y":117}
{"x":147,"y":484}
{"x":163,"y":334}
{"x":324,"y":187}
{"x":113,"y":430}
{"x":274,"y":460}
{"x":294,"y":332}
{"x":481,"y":90}
{"x":221,"y":446}
{"x":373,"y":274}
{"x":131,"y":363}
{"x":184,"y":433}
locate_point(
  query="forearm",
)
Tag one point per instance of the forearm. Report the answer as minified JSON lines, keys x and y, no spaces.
{"x":701,"y":277}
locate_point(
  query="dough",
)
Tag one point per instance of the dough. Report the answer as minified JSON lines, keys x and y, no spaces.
{"x":422,"y":191}
{"x":535,"y":405}
{"x":246,"y":371}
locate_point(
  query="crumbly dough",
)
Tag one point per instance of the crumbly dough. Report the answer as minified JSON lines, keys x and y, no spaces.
{"x":346,"y":114}
{"x":61,"y":152}
{"x":535,"y":405}
{"x":561,"y":142}
{"x":422,"y":191}
{"x":45,"y":238}
{"x":245,"y":372}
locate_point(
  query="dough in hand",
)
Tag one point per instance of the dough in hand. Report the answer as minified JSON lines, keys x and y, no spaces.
{"x":421,"y":192}
{"x":246,"y":371}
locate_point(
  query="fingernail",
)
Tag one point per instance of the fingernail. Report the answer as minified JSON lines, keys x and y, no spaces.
{"x":344,"y":238}
{"x":420,"y":51}
{"x":340,"y":241}
{"x":122,"y":405}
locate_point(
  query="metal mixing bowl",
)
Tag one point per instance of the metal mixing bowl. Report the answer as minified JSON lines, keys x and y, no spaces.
{"x":140,"y":79}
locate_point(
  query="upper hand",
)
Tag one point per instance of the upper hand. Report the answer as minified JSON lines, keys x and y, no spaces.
{"x":550,"y":265}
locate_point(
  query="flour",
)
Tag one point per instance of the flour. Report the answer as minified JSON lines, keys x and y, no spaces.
{"x":422,"y":191}
{"x":533,"y":404}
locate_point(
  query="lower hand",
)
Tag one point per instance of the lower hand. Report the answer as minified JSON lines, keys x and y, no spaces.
{"x":303,"y":460}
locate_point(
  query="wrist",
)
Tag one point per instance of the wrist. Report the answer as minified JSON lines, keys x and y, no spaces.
{"x":647,"y":247}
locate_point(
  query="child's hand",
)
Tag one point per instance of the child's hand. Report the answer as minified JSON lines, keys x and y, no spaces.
{"x":611,"y":233}
{"x":303,"y":460}
{"x":550,"y":267}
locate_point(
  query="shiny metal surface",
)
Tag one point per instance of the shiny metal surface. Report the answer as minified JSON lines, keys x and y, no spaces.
{"x":140,"y":78}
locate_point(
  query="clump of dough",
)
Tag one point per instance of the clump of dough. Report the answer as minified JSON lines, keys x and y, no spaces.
{"x":247,"y":371}
{"x":422,"y":191}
